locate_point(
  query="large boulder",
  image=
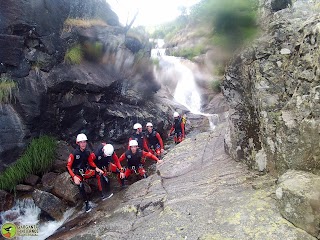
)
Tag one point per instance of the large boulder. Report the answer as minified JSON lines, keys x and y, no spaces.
{"x":273,"y":90}
{"x":298,"y":195}
{"x":65,"y":189}
{"x":48,"y":180}
{"x":7,"y":200}
{"x":49,"y":203}
{"x":13,"y":133}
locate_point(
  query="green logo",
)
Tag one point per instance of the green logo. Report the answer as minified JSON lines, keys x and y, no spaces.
{"x":9,"y":230}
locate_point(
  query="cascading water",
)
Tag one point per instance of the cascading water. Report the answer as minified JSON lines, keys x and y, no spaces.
{"x":186,"y":91}
{"x":25,"y":212}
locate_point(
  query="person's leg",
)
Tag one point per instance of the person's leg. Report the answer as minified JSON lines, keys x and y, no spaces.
{"x":84,"y":195}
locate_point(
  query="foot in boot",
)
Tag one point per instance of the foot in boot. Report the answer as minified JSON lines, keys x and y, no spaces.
{"x":106,"y":196}
{"x":88,"y":207}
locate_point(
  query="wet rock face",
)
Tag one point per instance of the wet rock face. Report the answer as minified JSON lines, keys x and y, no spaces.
{"x":103,"y":96}
{"x":273,"y":90}
{"x":49,"y":203}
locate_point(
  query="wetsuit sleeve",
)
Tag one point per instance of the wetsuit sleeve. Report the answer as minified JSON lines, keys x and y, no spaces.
{"x":91,"y":159}
{"x":147,"y":142}
{"x":145,"y":145}
{"x":69,"y":165}
{"x":182,"y":129}
{"x":122,"y":157}
{"x":160,"y":140}
{"x":150,"y":155}
{"x":128,"y":143}
{"x":116,"y":160}
{"x":171,"y":130}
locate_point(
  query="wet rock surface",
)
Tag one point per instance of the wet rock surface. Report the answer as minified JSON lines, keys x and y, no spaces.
{"x":197,"y":193}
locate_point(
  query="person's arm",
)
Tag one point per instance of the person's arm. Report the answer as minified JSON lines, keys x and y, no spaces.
{"x":145,"y":145}
{"x":128,"y":143}
{"x":171,"y":130}
{"x":91,"y":159}
{"x":116,"y":161}
{"x":91,"y":162}
{"x":160,"y":140}
{"x":69,"y":165}
{"x":150,"y":155}
{"x":122,"y":157}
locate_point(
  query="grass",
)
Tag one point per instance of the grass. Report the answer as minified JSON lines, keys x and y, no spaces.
{"x":74,"y":55}
{"x":37,"y":159}
{"x":6,"y":86}
{"x":85,"y":23}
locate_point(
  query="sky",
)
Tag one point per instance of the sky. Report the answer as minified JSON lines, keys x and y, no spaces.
{"x":151,"y":12}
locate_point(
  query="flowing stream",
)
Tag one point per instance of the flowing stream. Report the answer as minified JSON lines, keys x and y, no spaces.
{"x":25,"y":212}
{"x":173,"y":70}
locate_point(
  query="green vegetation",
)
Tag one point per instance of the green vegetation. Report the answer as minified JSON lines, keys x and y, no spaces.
{"x":6,"y":86}
{"x":216,"y":85}
{"x":168,"y":30}
{"x":190,"y":53}
{"x":231,"y":22}
{"x":37,"y":159}
{"x":74,"y":55}
{"x":93,"y":50}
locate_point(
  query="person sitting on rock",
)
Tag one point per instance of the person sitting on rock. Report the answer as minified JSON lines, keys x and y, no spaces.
{"x":78,"y":167}
{"x":139,"y":137}
{"x":154,"y":140}
{"x":178,"y":128}
{"x":134,"y":158}
{"x":101,"y":160}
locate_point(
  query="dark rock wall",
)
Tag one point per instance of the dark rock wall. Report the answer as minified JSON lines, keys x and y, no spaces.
{"x":103,"y":96}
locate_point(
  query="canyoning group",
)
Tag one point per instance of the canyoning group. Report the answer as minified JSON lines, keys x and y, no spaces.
{"x":101,"y":163}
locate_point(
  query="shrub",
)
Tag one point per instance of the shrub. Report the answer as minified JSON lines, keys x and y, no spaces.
{"x":93,"y":51}
{"x":216,"y":86}
{"x":37,"y":159}
{"x":234,"y":21}
{"x":74,"y":55}
{"x":6,"y":86}
{"x":190,"y":53}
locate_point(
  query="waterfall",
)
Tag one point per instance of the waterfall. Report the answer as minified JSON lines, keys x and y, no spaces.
{"x":175,"y":73}
{"x":25,"y":212}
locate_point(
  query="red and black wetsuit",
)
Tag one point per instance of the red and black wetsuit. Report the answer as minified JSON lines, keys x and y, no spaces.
{"x":98,"y":159}
{"x":154,"y":142}
{"x":78,"y":165}
{"x":178,"y":128}
{"x":78,"y":162}
{"x":142,"y":144}
{"x":135,"y":161}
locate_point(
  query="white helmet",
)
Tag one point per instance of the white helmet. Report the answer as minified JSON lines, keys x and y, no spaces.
{"x":175,"y":114}
{"x":133,"y":143}
{"x":108,"y":149}
{"x":137,"y":125}
{"x":81,"y":137}
{"x":149,"y":124}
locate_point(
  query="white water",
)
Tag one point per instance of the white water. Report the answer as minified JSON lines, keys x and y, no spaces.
{"x":186,"y":92}
{"x":25,"y":212}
